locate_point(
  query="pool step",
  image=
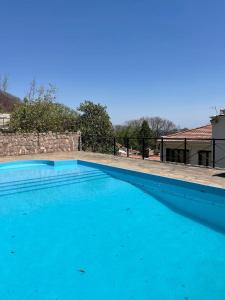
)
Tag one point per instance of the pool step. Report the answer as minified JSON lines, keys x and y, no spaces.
{"x":10,"y":188}
{"x":48,"y":178}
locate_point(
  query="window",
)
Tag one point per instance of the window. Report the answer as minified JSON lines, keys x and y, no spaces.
{"x":176,"y":155}
{"x":204,"y":158}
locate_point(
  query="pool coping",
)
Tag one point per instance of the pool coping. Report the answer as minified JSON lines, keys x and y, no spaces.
{"x":12,"y":165}
{"x":198,"y":175}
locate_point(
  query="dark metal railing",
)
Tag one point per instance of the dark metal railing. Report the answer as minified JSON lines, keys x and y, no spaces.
{"x":188,"y":151}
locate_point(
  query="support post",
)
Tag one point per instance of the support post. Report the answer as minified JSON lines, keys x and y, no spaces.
{"x":185,"y":151}
{"x":79,"y":142}
{"x":128,"y":147}
{"x":114,"y":146}
{"x":213,"y":153}
{"x":38,"y":139}
{"x":143,"y":148}
{"x":162,"y":150}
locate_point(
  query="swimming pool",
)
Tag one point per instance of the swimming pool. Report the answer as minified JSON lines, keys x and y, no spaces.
{"x":78,"y":230}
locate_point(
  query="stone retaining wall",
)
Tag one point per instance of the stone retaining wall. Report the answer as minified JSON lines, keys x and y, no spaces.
{"x":31,"y":143}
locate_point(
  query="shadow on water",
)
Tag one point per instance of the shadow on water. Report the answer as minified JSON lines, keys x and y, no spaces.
{"x":184,"y":213}
{"x":198,"y":219}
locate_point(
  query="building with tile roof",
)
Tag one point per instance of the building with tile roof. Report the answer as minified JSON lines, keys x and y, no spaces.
{"x":203,"y":132}
{"x":198,"y":146}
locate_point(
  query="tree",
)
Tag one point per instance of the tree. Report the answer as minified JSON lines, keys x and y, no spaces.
{"x":131,"y":129}
{"x":160,"y":126}
{"x":41,"y":92}
{"x":42,"y":115}
{"x":32,"y":91}
{"x":4,"y":83}
{"x":145,"y":133}
{"x":95,"y":126}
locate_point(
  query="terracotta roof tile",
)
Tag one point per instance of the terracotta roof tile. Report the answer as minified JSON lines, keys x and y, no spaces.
{"x":203,"y":132}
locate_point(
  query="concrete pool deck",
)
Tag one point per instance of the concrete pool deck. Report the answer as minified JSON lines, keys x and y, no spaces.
{"x":207,"y":176}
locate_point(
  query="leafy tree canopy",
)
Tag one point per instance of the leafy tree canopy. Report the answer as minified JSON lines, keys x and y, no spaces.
{"x":157,"y":125}
{"x":96,"y":127}
{"x":42,"y":115}
{"x":145,"y":131}
{"x":94,"y":120}
{"x":142,"y":128}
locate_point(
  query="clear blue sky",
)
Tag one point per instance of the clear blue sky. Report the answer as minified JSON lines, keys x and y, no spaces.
{"x":140,"y":58}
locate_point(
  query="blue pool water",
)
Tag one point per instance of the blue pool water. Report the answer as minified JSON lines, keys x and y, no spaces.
{"x":78,"y":231}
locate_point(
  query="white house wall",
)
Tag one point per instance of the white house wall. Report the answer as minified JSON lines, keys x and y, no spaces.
{"x":218,"y":132}
{"x":193,"y":146}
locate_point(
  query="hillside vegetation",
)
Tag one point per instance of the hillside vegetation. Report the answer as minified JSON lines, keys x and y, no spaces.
{"x":7,"y":102}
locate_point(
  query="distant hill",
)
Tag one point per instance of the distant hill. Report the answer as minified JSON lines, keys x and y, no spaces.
{"x":7,"y":102}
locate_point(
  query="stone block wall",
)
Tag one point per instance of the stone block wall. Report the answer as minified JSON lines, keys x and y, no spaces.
{"x":33,"y":143}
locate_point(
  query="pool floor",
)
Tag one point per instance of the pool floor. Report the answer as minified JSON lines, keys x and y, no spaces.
{"x":91,"y":236}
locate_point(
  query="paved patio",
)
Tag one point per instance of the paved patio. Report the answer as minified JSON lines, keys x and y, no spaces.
{"x":213,"y":177}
